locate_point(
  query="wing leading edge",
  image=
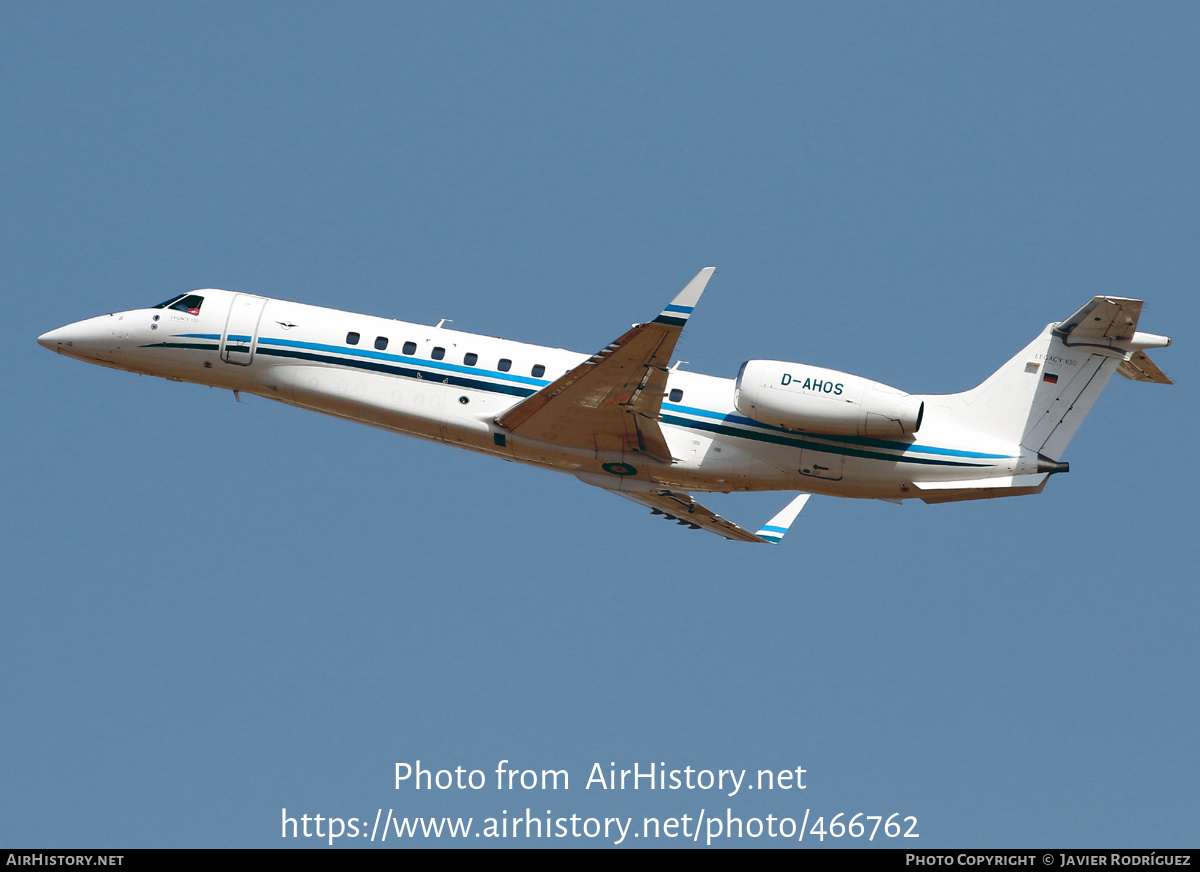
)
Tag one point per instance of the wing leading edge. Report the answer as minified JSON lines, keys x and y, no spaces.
{"x":611,"y":401}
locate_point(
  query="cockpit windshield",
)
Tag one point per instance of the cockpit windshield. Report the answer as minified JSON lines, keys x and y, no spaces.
{"x":189,"y":303}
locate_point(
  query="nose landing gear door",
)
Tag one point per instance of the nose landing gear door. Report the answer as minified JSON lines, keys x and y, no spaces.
{"x":241,"y":329}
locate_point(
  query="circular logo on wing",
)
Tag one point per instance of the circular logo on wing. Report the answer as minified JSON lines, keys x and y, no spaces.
{"x":619,"y":468}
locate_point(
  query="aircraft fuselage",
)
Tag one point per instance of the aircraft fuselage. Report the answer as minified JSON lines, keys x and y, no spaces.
{"x":450,"y":386}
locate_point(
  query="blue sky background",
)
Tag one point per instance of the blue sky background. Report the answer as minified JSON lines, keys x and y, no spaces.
{"x":213,"y":611}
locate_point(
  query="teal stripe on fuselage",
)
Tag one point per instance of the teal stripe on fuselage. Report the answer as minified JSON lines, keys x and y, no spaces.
{"x":405,"y":372}
{"x":403,"y":358}
{"x":379,"y":355}
{"x":853,"y":440}
{"x":374,"y":361}
{"x":793,"y":441}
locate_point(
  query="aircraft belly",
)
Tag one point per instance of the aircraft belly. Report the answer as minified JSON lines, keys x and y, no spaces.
{"x":830,"y":465}
{"x":557,"y":456}
{"x":835,"y":468}
{"x":732,"y":473}
{"x":409,"y":406}
{"x":469,"y":420}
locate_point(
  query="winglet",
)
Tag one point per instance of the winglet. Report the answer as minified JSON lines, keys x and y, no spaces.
{"x":680,"y":309}
{"x":774,"y":529}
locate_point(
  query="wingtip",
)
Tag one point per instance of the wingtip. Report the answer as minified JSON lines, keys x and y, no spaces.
{"x":691,"y":293}
{"x":775,"y":529}
{"x":681,"y":307}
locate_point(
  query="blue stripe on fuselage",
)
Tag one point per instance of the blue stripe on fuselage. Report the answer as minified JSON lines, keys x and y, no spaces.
{"x":412,"y":368}
{"x":854,"y":440}
{"x":380,"y":355}
{"x":784,"y":437}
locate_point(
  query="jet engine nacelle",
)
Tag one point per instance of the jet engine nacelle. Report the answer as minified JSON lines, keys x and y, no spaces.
{"x":816,"y":400}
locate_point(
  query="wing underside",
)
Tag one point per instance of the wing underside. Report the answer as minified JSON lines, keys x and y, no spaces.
{"x":683,"y":509}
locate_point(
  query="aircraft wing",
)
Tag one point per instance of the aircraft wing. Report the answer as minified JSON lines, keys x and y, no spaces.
{"x":683,"y":509}
{"x":611,"y":401}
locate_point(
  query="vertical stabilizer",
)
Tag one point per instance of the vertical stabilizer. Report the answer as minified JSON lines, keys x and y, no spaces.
{"x":1040,"y":397}
{"x":1068,"y":383}
{"x":1001,"y":406}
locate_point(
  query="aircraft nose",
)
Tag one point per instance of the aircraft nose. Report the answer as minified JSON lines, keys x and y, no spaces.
{"x":51,"y":339}
{"x":88,"y":337}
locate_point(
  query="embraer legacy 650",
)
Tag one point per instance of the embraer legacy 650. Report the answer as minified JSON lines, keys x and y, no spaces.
{"x":622,"y":420}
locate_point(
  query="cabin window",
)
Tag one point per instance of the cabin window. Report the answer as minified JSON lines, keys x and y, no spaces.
{"x":538,"y":370}
{"x":504,"y":365}
{"x":381,"y":343}
{"x":675,"y":396}
{"x":471,"y":358}
{"x":352,"y":338}
{"x":410,"y":348}
{"x":438,"y":353}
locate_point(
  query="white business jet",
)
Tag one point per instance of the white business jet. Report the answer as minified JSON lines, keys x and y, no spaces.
{"x":621,"y":420}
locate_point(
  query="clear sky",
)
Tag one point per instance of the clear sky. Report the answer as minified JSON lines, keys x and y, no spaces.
{"x":214,"y":611}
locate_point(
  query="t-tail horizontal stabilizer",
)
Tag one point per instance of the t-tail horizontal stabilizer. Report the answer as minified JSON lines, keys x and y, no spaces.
{"x":1141,"y":368}
{"x":1112,"y":322}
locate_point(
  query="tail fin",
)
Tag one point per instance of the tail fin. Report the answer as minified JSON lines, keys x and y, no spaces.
{"x":1040,"y":397}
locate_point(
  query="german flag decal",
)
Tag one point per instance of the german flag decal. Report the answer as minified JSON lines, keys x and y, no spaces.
{"x":1050,"y":377}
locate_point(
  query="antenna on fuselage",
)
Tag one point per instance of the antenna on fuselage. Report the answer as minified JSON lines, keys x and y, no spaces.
{"x":445,"y":321}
